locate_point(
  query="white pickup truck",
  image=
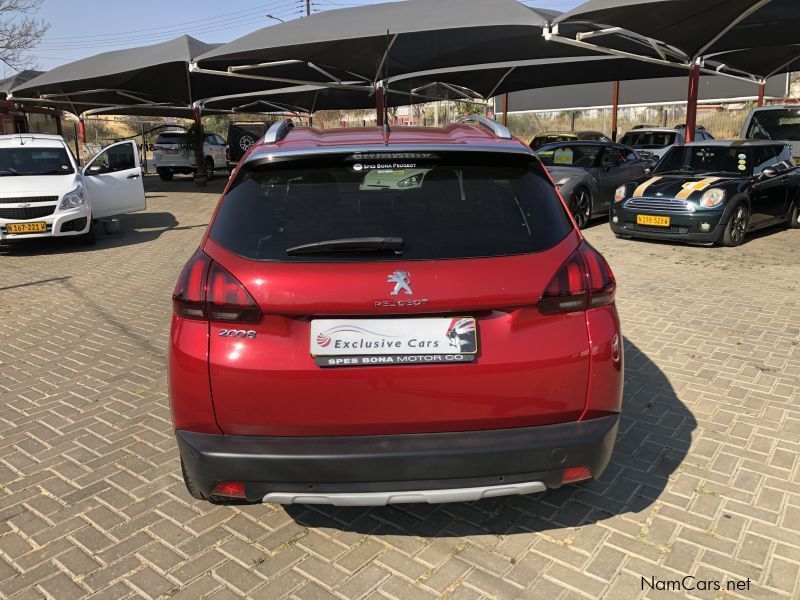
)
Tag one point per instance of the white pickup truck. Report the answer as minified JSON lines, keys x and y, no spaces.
{"x":170,"y":156}
{"x":45,"y":193}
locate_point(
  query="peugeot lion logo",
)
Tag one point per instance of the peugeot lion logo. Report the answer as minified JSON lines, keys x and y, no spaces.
{"x":401,"y":281}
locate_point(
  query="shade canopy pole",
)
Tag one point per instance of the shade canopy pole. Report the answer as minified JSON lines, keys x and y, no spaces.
{"x":762,"y":88}
{"x":82,"y":129}
{"x":380,"y":105}
{"x":505,"y":109}
{"x":691,"y":102}
{"x":614,"y":112}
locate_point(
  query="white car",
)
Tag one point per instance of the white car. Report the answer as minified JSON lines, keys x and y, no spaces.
{"x":45,"y":193}
{"x":775,"y":123}
{"x":170,"y":156}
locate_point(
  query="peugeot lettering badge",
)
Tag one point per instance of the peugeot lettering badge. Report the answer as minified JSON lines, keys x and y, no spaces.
{"x":401,"y":281}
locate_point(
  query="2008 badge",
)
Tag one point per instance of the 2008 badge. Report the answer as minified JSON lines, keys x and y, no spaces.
{"x":237,"y":333}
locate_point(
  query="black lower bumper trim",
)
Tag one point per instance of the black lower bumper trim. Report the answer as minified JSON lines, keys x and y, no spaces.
{"x":398,"y":462}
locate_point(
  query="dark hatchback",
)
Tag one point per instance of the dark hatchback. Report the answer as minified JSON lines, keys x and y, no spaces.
{"x":711,"y":192}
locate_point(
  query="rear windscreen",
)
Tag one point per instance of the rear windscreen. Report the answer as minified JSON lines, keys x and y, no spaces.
{"x":648,"y":139}
{"x":170,"y":138}
{"x":454,"y":205}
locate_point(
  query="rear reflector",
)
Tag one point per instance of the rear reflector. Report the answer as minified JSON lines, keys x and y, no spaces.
{"x":584,"y":281}
{"x":205,"y":290}
{"x":573,"y":474}
{"x":229,"y":489}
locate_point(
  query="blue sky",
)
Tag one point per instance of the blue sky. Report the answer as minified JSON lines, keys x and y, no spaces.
{"x":81,"y":28}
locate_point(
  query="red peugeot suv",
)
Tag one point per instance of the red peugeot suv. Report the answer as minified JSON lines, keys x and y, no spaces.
{"x":381,"y":316}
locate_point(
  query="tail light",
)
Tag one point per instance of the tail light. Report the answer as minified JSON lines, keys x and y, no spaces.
{"x":229,"y":489}
{"x":205,"y":290}
{"x":228,"y":153}
{"x":584,"y":281}
{"x":575,"y":474}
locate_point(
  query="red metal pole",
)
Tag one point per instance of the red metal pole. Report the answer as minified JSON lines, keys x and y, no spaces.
{"x":761,"y":90}
{"x":381,"y":113}
{"x":82,"y":129}
{"x":691,"y":103}
{"x":505,"y":110}
{"x":614,"y":112}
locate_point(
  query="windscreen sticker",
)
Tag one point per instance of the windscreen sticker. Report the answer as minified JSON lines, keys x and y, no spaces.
{"x":640,"y":191}
{"x":690,"y":187}
{"x":562,"y":156}
{"x":387,"y":167}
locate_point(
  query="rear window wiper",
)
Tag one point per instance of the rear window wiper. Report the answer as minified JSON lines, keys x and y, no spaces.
{"x":360,"y":244}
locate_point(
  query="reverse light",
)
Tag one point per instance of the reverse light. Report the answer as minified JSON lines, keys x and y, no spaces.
{"x":205,"y":290}
{"x":584,"y":281}
{"x":72,"y":199}
{"x":620,"y":193}
{"x":712,"y":198}
{"x":229,"y":489}
{"x":575,"y":474}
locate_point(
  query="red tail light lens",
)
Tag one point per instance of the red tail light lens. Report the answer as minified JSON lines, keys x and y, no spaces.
{"x":229,"y":489}
{"x":188,"y":299}
{"x":584,"y":281}
{"x":205,"y":290}
{"x":228,"y":300}
{"x":573,"y":474}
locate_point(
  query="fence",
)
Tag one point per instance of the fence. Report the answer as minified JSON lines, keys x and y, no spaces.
{"x":721,"y":120}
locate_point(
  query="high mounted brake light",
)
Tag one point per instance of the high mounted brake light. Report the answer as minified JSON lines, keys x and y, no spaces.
{"x":205,"y":290}
{"x":584,"y":281}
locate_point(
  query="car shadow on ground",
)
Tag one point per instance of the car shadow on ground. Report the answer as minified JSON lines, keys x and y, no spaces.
{"x":135,"y":228}
{"x":654,"y":438}
{"x":183,"y":184}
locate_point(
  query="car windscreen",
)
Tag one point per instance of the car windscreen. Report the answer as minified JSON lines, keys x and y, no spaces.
{"x":170,"y":138}
{"x":543,"y":140}
{"x":648,"y":139}
{"x":706,"y":159}
{"x":570,"y":155}
{"x":775,"y":124}
{"x":433,"y":206}
{"x":34,"y":161}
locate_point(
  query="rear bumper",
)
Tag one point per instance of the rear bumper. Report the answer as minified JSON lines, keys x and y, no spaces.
{"x":299,"y":469}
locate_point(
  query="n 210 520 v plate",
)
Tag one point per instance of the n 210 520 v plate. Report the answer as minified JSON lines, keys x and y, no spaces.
{"x":354,"y":342}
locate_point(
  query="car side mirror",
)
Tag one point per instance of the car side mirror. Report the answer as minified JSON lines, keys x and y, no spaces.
{"x":768,"y":173}
{"x":94,"y":170}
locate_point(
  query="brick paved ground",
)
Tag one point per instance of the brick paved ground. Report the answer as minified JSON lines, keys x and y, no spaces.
{"x":704,"y":479}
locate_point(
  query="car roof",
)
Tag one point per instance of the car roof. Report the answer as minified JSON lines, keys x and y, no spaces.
{"x":737,"y":143}
{"x":665,"y":129}
{"x":466,"y":136}
{"x":42,"y":139}
{"x":582,"y":131}
{"x":776,"y":107}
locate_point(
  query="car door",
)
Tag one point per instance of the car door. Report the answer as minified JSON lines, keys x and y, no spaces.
{"x":768,"y":200}
{"x":616,"y":168}
{"x":113,"y":180}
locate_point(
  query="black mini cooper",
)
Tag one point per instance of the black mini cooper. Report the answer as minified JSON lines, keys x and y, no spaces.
{"x":711,"y":192}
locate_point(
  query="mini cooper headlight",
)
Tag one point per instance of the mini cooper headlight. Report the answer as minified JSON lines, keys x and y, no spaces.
{"x":712,"y":198}
{"x":72,"y":199}
{"x":620,"y":194}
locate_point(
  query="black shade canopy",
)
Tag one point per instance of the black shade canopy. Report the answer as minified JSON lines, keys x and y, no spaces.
{"x":697,"y":28}
{"x":763,"y":62}
{"x":395,"y":38}
{"x":149,"y":75}
{"x":8,"y":83}
{"x":487,"y":80}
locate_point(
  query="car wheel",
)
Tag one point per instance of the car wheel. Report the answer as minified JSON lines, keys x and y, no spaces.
{"x":580,"y":203}
{"x":89,"y":238}
{"x":165,"y":174}
{"x":209,"y":168}
{"x":793,"y":220}
{"x":736,"y":227}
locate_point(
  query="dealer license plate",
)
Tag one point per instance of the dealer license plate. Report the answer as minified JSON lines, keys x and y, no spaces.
{"x":359,"y":342}
{"x":37,"y":227}
{"x":652,"y":220}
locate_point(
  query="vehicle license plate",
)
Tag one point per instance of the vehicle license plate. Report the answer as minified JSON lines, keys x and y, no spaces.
{"x":652,"y":220}
{"x":358,"y":342}
{"x":37,"y":227}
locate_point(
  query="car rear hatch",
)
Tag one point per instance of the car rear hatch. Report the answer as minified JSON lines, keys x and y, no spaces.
{"x":419,"y":315}
{"x":170,"y":147}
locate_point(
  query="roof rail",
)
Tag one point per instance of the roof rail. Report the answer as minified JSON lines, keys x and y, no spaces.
{"x":495,"y":127}
{"x":278,"y":131}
